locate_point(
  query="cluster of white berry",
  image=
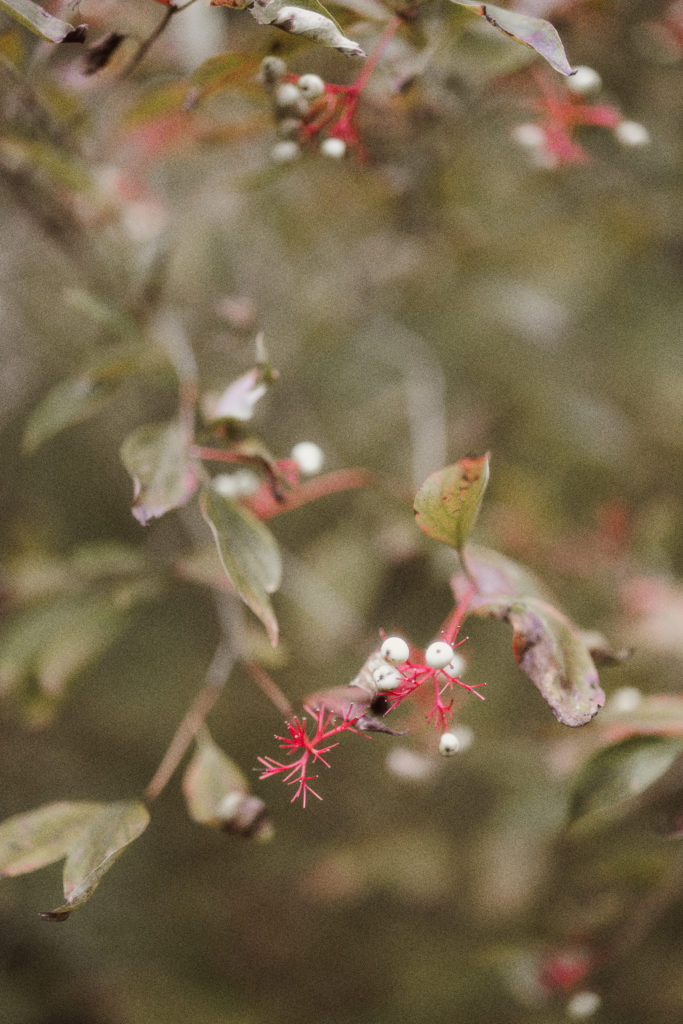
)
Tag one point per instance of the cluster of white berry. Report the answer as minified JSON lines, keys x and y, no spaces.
{"x":440,"y":656}
{"x":293,"y":100}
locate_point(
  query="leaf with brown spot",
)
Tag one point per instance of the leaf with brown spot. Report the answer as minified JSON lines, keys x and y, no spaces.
{"x":447,"y":504}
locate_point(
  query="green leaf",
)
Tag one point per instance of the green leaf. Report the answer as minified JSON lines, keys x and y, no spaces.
{"x":305,"y":18}
{"x":217,"y":794}
{"x":549,"y":650}
{"x":610,"y":784}
{"x":77,"y":398}
{"x":165,"y":476}
{"x":40,"y":22}
{"x":447,"y":504}
{"x":249,"y":554}
{"x":535,"y":33}
{"x":219,"y":72}
{"x":114,"y":827}
{"x":37,"y":838}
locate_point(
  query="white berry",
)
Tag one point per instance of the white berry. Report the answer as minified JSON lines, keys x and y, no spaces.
{"x":287,"y":95}
{"x":272,"y":70}
{"x":395,"y":650}
{"x":333,"y":147}
{"x":448,"y":744}
{"x":387,"y":678}
{"x":583,"y":1004}
{"x":456,"y":666}
{"x":584,"y":81}
{"x":308,"y":456}
{"x":529,"y":135}
{"x":438,"y":654}
{"x":284,"y":152}
{"x":311,"y":86}
{"x":632,"y":134}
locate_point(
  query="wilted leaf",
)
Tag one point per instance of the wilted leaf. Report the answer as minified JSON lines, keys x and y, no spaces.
{"x":40,"y":22}
{"x":165,"y":475}
{"x":37,"y":838}
{"x":447,"y":504}
{"x":550,"y":652}
{"x":249,"y":554}
{"x":307,"y":18}
{"x":536,"y":33}
{"x":610,"y":784}
{"x":114,"y":827}
{"x":217,"y":794}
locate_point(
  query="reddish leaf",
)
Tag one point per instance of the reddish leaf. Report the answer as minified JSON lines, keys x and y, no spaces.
{"x":536,"y":33}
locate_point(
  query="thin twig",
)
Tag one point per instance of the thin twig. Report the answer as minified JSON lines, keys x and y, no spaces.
{"x":147,"y":43}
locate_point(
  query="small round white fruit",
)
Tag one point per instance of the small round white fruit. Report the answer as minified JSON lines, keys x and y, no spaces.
{"x":584,"y":81}
{"x":583,"y":1004}
{"x":287,"y":95}
{"x":529,"y":135}
{"x":272,"y":70}
{"x":311,"y":86}
{"x":386,"y":678}
{"x":632,"y":134}
{"x":308,"y":456}
{"x":449,"y":744}
{"x":438,"y":654}
{"x":286,"y":151}
{"x":333,"y":147}
{"x":456,"y":666}
{"x":395,"y":650}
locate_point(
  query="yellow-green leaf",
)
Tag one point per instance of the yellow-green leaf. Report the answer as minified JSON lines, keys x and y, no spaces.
{"x":447,"y":504}
{"x":33,"y":17}
{"x":34,"y":839}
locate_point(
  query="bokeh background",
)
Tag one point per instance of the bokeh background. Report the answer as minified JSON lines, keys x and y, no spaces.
{"x":447,"y":296}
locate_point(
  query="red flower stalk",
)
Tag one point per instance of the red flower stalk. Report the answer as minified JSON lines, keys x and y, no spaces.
{"x":295,"y":772}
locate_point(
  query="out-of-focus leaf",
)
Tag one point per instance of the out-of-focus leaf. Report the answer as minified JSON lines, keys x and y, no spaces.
{"x":550,"y":652}
{"x":239,"y":398}
{"x":536,"y":33}
{"x":217,"y":794}
{"x":495,"y":575}
{"x":53,"y":642}
{"x":36,"y":576}
{"x":106,"y":836}
{"x":58,"y":169}
{"x":307,"y":18}
{"x":602,"y":651}
{"x":610,"y":783}
{"x":249,"y":554}
{"x":98,"y":54}
{"x":40,"y":837}
{"x":447,"y":504}
{"x":77,"y":398}
{"x":165,"y":475}
{"x":12,"y":50}
{"x":653,"y":715}
{"x":220,"y":71}
{"x":45,"y":25}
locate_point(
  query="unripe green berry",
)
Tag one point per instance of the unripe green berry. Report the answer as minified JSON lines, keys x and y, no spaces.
{"x":395,"y":650}
{"x":311,"y":86}
{"x":438,"y":654}
{"x":449,"y":744}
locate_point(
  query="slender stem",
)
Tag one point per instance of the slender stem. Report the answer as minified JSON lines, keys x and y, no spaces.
{"x":374,"y":58}
{"x":270,"y":688}
{"x":147,"y":43}
{"x":320,"y":487}
{"x":454,"y":620}
{"x":193,"y":721}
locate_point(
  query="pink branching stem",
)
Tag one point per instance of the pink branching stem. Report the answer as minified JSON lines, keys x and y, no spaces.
{"x":452,"y":624}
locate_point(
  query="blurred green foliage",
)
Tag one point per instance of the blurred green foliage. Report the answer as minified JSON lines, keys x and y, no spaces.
{"x":444,"y":297}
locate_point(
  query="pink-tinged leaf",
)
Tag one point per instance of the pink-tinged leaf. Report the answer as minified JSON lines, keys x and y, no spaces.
{"x":640,"y":778}
{"x":495,"y":575}
{"x":249,"y":553}
{"x":447,"y":504}
{"x":217,"y":794}
{"x":42,"y":24}
{"x":653,"y":715}
{"x":536,"y":33}
{"x":40,"y":837}
{"x":165,"y":475}
{"x":549,"y":650}
{"x":114,"y":827}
